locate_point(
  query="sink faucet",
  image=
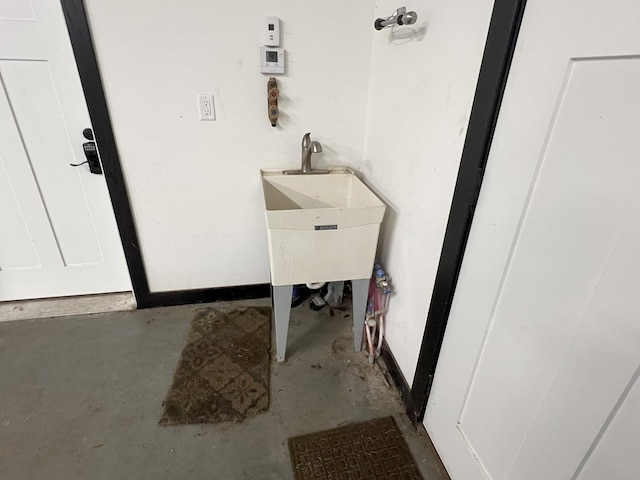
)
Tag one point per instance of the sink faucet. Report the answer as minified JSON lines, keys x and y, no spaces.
{"x":308,"y":147}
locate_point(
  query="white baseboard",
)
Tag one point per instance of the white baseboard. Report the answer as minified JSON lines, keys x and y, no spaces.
{"x":63,"y":306}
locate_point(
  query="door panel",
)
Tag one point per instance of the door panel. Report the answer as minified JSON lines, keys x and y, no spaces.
{"x":17,"y":250}
{"x":17,"y":10}
{"x":578,"y":206}
{"x":592,"y":379}
{"x":40,"y":126}
{"x":618,"y":441}
{"x":538,"y":351}
{"x":59,"y":233}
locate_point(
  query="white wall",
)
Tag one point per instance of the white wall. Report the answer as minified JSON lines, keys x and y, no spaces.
{"x":423,"y":80}
{"x":394,"y":104}
{"x":194,"y":185}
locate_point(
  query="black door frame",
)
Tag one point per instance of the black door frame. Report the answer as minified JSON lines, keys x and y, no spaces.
{"x":82,"y":43}
{"x":504,"y":27}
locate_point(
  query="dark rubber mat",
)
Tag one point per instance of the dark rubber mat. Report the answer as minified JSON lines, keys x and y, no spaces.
{"x":361,"y":451}
{"x":223,"y":372}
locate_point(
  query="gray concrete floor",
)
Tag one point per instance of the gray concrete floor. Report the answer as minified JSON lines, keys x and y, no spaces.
{"x":80,"y":398}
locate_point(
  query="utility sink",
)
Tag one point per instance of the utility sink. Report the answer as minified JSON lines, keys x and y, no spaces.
{"x":321,"y":227}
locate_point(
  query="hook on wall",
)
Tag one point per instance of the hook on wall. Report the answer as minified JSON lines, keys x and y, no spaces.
{"x":399,"y":17}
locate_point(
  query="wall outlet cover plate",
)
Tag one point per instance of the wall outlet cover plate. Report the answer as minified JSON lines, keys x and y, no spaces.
{"x":206,"y":107}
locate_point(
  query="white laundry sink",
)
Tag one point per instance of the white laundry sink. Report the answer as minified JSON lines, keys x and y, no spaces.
{"x":320,"y":227}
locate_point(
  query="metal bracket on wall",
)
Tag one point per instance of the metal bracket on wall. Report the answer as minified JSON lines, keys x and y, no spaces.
{"x":399,"y":17}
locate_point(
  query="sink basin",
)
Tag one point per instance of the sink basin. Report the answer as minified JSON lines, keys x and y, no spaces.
{"x":320,"y":227}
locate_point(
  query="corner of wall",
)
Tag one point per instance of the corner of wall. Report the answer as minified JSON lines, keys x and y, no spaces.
{"x":421,"y":86}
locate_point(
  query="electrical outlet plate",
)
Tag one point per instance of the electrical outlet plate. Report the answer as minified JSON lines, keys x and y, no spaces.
{"x":206,"y":107}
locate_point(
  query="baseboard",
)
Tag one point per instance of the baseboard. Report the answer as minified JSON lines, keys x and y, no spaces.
{"x":390,"y":369}
{"x":63,"y":306}
{"x":204,"y":295}
{"x":394,"y":372}
{"x":113,"y":302}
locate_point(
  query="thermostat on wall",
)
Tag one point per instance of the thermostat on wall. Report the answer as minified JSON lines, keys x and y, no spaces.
{"x":271,"y":60}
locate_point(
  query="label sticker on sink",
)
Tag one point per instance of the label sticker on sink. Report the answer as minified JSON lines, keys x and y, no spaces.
{"x":326,"y":227}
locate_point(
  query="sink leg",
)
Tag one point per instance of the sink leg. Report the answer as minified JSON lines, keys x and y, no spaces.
{"x":360,"y":291}
{"x":282,"y":310}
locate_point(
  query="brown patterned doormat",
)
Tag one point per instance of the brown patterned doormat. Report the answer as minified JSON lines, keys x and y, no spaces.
{"x":223,"y":372}
{"x":365,"y":451}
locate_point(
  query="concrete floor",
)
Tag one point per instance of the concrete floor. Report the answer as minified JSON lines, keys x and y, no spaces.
{"x":80,"y":398}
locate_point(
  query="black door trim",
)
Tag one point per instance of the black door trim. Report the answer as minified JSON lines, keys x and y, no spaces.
{"x":498,"y":53}
{"x":79,"y":32}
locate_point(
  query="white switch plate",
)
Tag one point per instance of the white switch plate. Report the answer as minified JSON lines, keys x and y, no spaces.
{"x":206,"y":106}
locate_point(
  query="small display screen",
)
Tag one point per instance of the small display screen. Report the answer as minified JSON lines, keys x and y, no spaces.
{"x":271,"y":26}
{"x":272,"y":56}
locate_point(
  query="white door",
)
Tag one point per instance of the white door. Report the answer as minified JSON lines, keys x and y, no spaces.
{"x":538,"y":373}
{"x":58,"y":234}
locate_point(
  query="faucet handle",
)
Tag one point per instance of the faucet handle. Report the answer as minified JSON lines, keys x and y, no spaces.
{"x":316,"y":147}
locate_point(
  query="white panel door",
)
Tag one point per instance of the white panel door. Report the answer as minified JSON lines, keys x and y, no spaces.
{"x":537,"y":377}
{"x":58,"y":234}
